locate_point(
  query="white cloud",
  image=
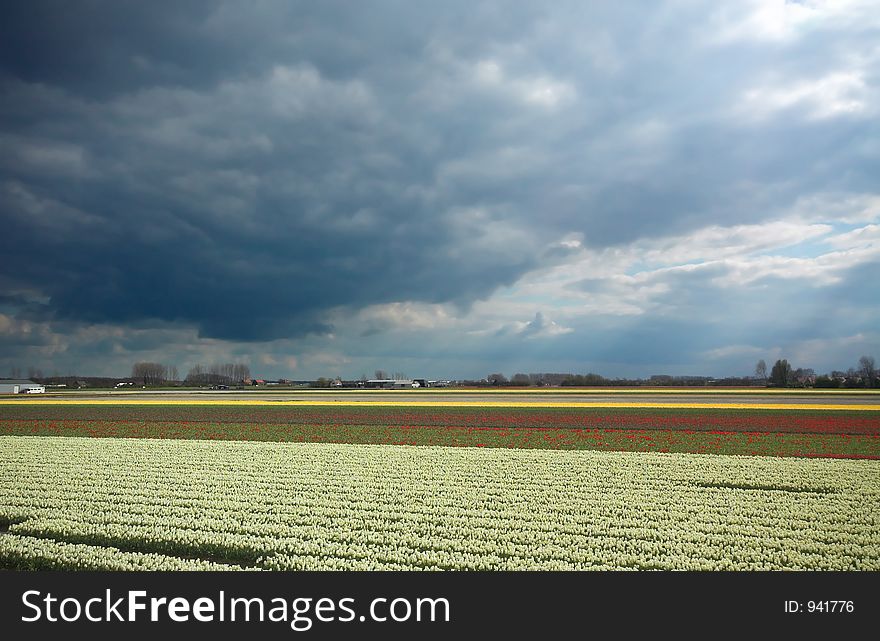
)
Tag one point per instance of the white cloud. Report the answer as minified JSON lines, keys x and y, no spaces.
{"x":660,"y":275}
{"x":840,"y":93}
{"x":712,"y":243}
{"x":847,"y":208}
{"x":486,"y":232}
{"x":541,"y":327}
{"x":540,"y":90}
{"x":407,"y":316}
{"x":785,"y":20}
{"x":863,"y":237}
{"x":825,"y":269}
{"x":759,"y":20}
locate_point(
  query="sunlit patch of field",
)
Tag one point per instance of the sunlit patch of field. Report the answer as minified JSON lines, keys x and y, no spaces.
{"x":79,"y":503}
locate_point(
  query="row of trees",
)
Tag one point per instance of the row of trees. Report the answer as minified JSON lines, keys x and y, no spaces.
{"x":218,"y":374}
{"x":153,"y":373}
{"x":783,"y":375}
{"x":541,"y":379}
{"x":551,"y":379}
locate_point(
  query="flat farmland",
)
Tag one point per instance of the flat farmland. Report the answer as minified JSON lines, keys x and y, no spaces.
{"x":697,"y":428}
{"x":440,"y":481}
{"x":169,"y":504}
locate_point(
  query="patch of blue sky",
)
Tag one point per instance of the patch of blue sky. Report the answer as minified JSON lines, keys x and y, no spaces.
{"x":810,"y":249}
{"x":815,"y":246}
{"x":638,"y":267}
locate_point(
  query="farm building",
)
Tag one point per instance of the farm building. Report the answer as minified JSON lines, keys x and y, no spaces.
{"x":16,"y":386}
{"x":390,"y":383}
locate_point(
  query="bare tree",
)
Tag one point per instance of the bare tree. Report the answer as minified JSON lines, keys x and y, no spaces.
{"x":241,"y":372}
{"x":381,"y":374}
{"x":761,"y":370}
{"x":195,"y":373}
{"x":867,"y":370}
{"x":150,"y":373}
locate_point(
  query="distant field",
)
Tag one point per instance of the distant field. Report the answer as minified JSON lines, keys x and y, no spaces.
{"x":170,"y":504}
{"x":801,"y":432}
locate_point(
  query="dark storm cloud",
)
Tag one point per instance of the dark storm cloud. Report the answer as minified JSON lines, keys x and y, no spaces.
{"x":155,"y":173}
{"x":245,"y":168}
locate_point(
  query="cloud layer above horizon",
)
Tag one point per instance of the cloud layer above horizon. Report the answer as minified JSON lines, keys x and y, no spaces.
{"x":440,"y":189}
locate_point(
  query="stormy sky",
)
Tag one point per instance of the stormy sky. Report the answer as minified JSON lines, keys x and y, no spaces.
{"x":440,"y":189}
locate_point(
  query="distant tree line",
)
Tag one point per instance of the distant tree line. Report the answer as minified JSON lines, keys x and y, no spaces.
{"x":542,"y":379}
{"x":551,"y":379}
{"x":152,"y":373}
{"x":218,"y":374}
{"x":782,"y":374}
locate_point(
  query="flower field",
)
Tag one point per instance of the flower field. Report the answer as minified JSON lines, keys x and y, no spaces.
{"x":174,"y":504}
{"x":338,"y":486}
{"x":804,"y":432}
{"x":805,"y":420}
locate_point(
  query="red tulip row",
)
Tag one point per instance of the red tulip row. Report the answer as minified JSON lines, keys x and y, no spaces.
{"x":737,"y":441}
{"x":744,"y":420}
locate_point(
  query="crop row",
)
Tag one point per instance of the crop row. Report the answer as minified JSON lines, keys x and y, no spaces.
{"x":636,"y":440}
{"x":29,"y":553}
{"x":798,"y":421}
{"x":323,"y":506}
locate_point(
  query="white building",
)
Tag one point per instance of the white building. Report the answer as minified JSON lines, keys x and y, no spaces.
{"x":17,"y":386}
{"x":390,"y":383}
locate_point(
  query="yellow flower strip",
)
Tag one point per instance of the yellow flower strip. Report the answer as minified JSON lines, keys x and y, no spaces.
{"x":476,"y":404}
